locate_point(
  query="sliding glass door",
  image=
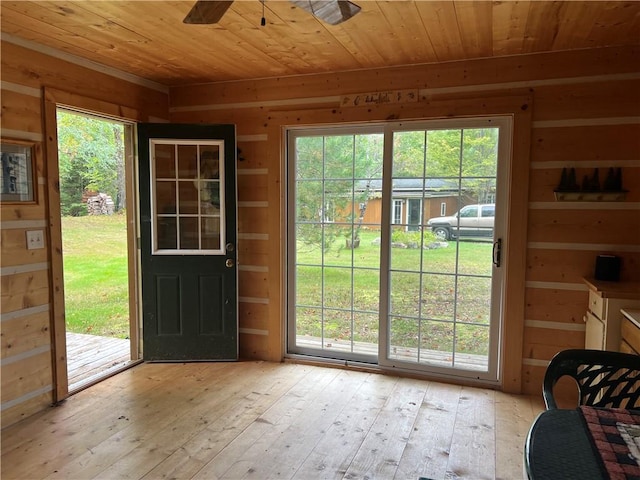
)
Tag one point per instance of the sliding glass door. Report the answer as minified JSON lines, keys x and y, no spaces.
{"x":394,"y":240}
{"x":333,"y":254}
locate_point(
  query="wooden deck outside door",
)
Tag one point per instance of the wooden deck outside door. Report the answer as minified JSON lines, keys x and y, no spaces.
{"x":188,"y":241}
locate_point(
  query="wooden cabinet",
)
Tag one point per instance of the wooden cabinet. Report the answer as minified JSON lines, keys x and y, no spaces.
{"x":630,"y":331}
{"x":604,"y":317}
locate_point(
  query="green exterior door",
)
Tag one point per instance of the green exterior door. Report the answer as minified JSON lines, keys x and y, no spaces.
{"x":188,"y":241}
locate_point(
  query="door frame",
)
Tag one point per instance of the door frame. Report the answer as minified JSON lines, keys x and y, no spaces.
{"x":54,"y":99}
{"x":504,"y":125}
{"x":518,"y":105}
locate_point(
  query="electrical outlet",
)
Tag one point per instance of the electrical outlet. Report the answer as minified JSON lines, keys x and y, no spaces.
{"x":35,"y":239}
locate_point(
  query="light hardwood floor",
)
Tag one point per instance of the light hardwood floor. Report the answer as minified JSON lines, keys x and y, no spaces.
{"x":265,"y":420}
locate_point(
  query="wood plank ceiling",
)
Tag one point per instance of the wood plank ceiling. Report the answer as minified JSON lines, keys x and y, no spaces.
{"x":148,"y":38}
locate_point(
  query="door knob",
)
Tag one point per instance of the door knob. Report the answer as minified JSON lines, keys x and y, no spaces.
{"x":229,"y":263}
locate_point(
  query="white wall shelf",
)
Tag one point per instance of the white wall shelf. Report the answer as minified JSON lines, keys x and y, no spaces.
{"x":590,"y":196}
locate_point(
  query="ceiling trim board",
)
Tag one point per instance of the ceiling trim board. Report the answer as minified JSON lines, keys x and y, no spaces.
{"x":83,"y":62}
{"x":422,"y":92}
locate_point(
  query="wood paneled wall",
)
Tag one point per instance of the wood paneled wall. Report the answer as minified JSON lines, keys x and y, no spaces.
{"x":26,"y":275}
{"x":585,"y":115}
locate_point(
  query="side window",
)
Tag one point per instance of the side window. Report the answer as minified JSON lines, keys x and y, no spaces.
{"x":469,"y":212}
{"x":397,"y":212}
{"x":489,"y":211}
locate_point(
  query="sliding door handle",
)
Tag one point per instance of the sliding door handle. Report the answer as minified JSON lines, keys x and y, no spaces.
{"x":497,"y":252}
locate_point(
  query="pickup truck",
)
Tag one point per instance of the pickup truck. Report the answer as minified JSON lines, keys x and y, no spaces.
{"x":471,"y":221}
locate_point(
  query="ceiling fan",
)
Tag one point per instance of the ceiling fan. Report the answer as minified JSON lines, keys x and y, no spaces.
{"x":332,"y":12}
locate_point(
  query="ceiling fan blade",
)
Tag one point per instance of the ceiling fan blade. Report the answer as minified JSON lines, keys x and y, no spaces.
{"x":205,"y":12}
{"x":332,"y":12}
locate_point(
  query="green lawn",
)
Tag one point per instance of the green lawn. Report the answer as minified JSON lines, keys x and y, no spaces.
{"x":435,"y":296}
{"x":95,"y":275}
{"x":96,"y":289}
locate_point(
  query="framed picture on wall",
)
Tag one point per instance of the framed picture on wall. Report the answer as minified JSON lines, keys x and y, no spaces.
{"x":18,"y":172}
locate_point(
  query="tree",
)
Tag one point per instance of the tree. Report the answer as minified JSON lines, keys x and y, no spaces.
{"x":480,"y":162}
{"x":336,"y":174}
{"x":409,"y":154}
{"x":91,"y":157}
{"x":333,"y":182}
{"x":470,"y":154}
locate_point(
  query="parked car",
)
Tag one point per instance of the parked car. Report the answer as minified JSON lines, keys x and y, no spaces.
{"x":470,"y":221}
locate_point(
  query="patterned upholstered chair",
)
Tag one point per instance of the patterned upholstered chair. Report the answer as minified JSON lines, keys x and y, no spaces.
{"x":604,"y":378}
